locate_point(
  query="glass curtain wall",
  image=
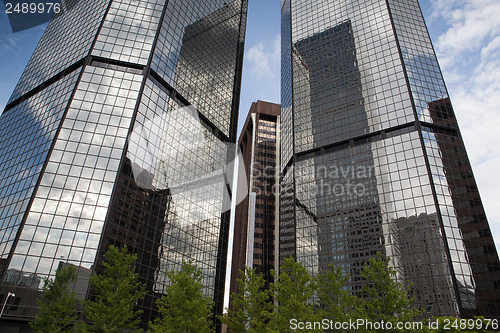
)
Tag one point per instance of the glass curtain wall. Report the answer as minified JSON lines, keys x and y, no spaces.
{"x":372,"y":157}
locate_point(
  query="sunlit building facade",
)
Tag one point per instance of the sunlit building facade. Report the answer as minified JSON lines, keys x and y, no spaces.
{"x":372,"y":159}
{"x":121,"y":130}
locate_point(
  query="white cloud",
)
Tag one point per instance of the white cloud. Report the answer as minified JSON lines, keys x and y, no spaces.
{"x":471,"y":23}
{"x":490,"y":49}
{"x":265,"y":59}
{"x":468,"y":51}
{"x":260,"y":63}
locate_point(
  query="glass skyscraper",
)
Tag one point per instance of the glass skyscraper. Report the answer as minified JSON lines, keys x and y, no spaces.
{"x":120,"y":131}
{"x":372,"y":159}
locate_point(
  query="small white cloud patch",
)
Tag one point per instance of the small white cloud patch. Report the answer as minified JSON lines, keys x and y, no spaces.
{"x":265,"y":59}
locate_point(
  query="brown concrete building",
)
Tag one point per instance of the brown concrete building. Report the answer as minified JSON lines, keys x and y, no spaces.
{"x":256,"y":216}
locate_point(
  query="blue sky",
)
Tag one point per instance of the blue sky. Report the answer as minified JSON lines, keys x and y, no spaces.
{"x":15,"y":51}
{"x":466,"y":36}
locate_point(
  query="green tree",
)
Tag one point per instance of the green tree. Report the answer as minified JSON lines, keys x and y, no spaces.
{"x":116,"y":292}
{"x":338,"y":305}
{"x":293,"y":292}
{"x":384,"y":298}
{"x":183,"y":308}
{"x":251,"y":306}
{"x":57,"y":310}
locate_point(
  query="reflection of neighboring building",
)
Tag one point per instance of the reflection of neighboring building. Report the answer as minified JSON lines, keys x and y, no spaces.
{"x":136,"y":220}
{"x":255,"y":216}
{"x":81,"y":284}
{"x":420,"y":249}
{"x":362,"y":90}
{"x":470,"y":213}
{"x":330,"y":75}
{"x":343,"y":221}
{"x":349,"y":238}
{"x":84,"y":139}
{"x":22,"y":285}
{"x":209,"y":90}
{"x":30,"y":284}
{"x":18,"y":278}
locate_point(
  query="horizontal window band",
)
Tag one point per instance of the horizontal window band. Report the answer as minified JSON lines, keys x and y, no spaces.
{"x":70,"y":69}
{"x":367,"y":138}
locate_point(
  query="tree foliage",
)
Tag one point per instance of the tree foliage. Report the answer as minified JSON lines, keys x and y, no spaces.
{"x":57,"y":310}
{"x":183,"y":308}
{"x":300,"y":298}
{"x":251,"y":306}
{"x":384,"y":298}
{"x":116,"y":292}
{"x":256,"y":308}
{"x":337,"y":303}
{"x":293,"y":292}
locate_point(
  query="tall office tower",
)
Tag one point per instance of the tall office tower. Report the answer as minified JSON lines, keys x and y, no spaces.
{"x":372,"y":159}
{"x":256,"y":215}
{"x":120,"y":132}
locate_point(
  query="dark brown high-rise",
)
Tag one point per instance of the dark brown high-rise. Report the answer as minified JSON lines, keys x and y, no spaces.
{"x":256,"y":216}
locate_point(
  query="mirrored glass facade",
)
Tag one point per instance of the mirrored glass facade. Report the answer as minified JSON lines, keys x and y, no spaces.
{"x":76,"y":25}
{"x":126,"y":140}
{"x":372,"y":159}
